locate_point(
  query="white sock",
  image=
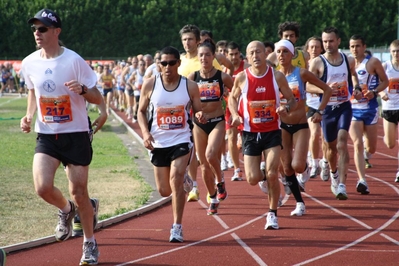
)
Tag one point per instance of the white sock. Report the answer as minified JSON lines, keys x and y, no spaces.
{"x":90,"y":239}
{"x":67,"y":208}
{"x":315,"y":162}
{"x":178,"y":226}
{"x":195,"y":184}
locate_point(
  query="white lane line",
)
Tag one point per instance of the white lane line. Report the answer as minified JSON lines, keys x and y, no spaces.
{"x":359,"y":240}
{"x":249,"y":250}
{"x":196,"y":243}
{"x":396,"y":242}
{"x":6,"y":102}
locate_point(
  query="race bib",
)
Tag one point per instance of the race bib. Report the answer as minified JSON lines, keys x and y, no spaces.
{"x":341,"y":93}
{"x":56,"y":109}
{"x":295,"y":90}
{"x":363,"y":99}
{"x":171,"y":117}
{"x":393,"y":86}
{"x":262,"y":111}
{"x":209,"y":91}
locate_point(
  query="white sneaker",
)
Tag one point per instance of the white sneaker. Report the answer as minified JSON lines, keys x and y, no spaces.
{"x":286,"y":186}
{"x":315,"y":171}
{"x":334,"y":183}
{"x":299,"y":210}
{"x":223,"y":164}
{"x":303,"y":178}
{"x":280,"y":201}
{"x":237,"y":175}
{"x":188,"y":183}
{"x":176,"y":234}
{"x":271,"y":221}
{"x":263,"y":186}
{"x":397,"y":177}
{"x":325,"y":170}
{"x":341,"y":192}
{"x":362,"y":187}
{"x":230,"y":163}
{"x":263,"y":166}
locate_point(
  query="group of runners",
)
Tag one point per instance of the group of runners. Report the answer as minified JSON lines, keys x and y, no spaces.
{"x":273,"y":103}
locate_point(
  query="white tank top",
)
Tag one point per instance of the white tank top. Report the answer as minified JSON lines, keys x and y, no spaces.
{"x":168,"y":121}
{"x":393,"y":88}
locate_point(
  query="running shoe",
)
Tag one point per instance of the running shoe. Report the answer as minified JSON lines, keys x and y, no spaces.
{"x":188,"y":183}
{"x":334,"y":183}
{"x":222,"y":193}
{"x":230,"y":163}
{"x":368,"y":164}
{"x":2,"y":257}
{"x":237,"y":175}
{"x":299,"y":210}
{"x":315,"y":171}
{"x":77,"y":229}
{"x":286,"y":185}
{"x":90,"y":254}
{"x":263,"y":186}
{"x":271,"y":221}
{"x":280,"y":201}
{"x":208,"y":198}
{"x":193,"y":195}
{"x":397,"y":177}
{"x":341,"y":192}
{"x":303,"y":178}
{"x":176,"y":234}
{"x":64,"y":227}
{"x":362,"y":187}
{"x":223,"y":164}
{"x":213,"y":209}
{"x":325,"y":170}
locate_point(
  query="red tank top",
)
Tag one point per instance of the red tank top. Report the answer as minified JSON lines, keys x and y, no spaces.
{"x":259,"y":101}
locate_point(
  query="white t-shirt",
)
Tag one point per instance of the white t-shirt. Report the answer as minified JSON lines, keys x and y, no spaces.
{"x":58,"y":109}
{"x":393,"y":88}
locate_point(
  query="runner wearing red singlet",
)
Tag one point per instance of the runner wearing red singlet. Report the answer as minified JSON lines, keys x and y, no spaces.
{"x":255,"y":103}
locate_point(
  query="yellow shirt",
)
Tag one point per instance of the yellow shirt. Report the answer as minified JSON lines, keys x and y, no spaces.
{"x":297,"y":61}
{"x":191,"y":65}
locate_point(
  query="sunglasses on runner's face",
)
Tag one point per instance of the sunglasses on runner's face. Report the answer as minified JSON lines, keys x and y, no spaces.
{"x":171,"y":62}
{"x":41,"y":29}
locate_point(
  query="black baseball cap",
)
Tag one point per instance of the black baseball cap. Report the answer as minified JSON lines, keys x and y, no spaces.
{"x":47,"y":17}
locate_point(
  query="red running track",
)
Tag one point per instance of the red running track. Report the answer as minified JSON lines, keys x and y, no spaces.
{"x":363,"y":230}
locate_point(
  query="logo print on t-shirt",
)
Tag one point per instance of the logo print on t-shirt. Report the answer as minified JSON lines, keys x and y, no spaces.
{"x":49,"y":85}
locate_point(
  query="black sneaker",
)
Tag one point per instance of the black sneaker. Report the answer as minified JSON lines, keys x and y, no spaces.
{"x":64,"y":227}
{"x":2,"y":257}
{"x":77,"y":226}
{"x":90,"y":254}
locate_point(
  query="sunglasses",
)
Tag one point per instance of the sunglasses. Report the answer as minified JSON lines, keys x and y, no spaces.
{"x":171,"y":62}
{"x":40,"y":29}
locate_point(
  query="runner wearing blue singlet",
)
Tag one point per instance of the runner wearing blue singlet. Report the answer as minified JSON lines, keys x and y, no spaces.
{"x":372,"y":80}
{"x":338,"y":71}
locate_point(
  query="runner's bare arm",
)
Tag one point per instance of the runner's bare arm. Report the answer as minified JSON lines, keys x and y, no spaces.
{"x":287,"y":93}
{"x":195,"y":101}
{"x":146,"y":91}
{"x":235,"y":94}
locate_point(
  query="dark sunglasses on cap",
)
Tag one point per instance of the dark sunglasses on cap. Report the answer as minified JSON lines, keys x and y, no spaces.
{"x":41,"y":29}
{"x":171,"y":62}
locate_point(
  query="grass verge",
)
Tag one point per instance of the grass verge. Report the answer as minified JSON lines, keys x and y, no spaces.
{"x":113,"y":178}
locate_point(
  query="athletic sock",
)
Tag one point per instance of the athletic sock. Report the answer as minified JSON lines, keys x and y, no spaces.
{"x":294,"y":186}
{"x":274,"y":211}
{"x":67,"y":208}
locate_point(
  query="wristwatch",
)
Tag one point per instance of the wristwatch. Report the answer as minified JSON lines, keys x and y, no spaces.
{"x":84,"y":89}
{"x":320,"y":112}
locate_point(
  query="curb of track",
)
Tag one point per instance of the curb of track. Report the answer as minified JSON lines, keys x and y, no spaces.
{"x":149,"y":206}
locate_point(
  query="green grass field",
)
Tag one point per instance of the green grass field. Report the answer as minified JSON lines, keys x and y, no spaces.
{"x":113,"y":178}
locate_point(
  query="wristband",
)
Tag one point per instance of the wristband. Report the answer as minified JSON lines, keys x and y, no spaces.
{"x":84,"y":89}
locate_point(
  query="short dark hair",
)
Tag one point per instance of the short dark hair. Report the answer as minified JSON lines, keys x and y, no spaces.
{"x":191,"y":29}
{"x":368,"y":52}
{"x":222,"y":43}
{"x":331,"y":29}
{"x":210,"y":44}
{"x":269,"y":44}
{"x":170,"y":50}
{"x":233,"y":45}
{"x":288,"y":25}
{"x":356,"y":37}
{"x":206,"y":32}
